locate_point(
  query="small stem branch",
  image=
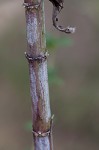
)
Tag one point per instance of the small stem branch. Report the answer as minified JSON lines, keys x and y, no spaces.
{"x":37,"y":59}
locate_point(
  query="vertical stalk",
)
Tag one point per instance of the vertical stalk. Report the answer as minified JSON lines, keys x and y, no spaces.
{"x":37,"y":58}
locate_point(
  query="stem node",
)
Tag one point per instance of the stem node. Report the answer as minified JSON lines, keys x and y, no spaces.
{"x":31,"y":5}
{"x":40,"y":58}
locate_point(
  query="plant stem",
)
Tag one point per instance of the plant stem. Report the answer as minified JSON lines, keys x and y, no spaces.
{"x":37,"y":58}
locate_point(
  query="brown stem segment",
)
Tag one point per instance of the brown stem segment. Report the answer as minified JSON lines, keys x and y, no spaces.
{"x":37,"y":58}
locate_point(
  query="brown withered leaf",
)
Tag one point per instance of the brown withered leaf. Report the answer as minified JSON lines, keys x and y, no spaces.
{"x":57,"y":7}
{"x":57,"y":3}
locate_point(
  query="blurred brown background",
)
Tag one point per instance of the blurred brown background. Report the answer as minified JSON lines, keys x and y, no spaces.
{"x":74,"y":100}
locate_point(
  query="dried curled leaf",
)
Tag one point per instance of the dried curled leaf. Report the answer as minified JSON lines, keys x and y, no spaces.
{"x":57,"y":3}
{"x":57,"y":7}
